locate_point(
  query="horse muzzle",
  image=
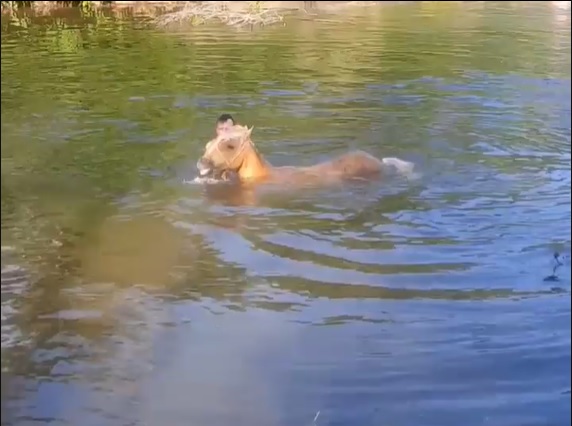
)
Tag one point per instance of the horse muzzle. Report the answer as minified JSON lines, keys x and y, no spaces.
{"x":205,"y":166}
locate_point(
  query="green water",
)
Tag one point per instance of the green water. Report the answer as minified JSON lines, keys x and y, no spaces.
{"x":132,"y":297}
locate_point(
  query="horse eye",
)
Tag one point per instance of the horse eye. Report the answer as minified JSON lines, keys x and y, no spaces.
{"x":230,"y":147}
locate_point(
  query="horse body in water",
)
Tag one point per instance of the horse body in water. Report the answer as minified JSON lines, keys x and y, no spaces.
{"x":233,"y":155}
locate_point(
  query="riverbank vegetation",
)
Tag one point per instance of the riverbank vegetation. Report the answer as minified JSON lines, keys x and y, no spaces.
{"x":169,"y":13}
{"x":197,"y":13}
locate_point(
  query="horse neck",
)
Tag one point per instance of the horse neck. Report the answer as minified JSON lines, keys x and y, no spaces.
{"x":254,"y":166}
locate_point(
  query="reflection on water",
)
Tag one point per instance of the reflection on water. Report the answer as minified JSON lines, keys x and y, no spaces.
{"x":129,"y":297}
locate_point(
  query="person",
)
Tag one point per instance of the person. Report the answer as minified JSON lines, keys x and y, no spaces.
{"x":224,"y":123}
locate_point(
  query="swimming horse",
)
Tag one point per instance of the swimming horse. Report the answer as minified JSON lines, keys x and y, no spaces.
{"x":233,"y":155}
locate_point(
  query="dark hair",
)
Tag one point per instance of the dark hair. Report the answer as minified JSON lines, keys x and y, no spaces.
{"x":224,"y":118}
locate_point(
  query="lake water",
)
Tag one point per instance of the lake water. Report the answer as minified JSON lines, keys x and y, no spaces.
{"x":132,"y":298}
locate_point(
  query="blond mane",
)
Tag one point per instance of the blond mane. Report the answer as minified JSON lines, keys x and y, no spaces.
{"x":236,"y":132}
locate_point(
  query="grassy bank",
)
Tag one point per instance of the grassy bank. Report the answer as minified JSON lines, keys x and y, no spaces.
{"x":169,"y":13}
{"x":234,"y":14}
{"x":235,"y":5}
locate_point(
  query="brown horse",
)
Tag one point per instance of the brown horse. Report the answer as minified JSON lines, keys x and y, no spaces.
{"x":234,"y":154}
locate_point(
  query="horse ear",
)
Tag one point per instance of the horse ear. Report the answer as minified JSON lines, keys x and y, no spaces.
{"x":249,"y":131}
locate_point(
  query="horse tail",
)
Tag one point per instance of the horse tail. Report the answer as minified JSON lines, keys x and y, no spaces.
{"x":402,"y":166}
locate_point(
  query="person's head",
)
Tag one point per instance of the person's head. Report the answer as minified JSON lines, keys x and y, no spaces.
{"x":224,"y":123}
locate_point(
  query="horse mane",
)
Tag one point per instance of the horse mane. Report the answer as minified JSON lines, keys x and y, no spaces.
{"x":237,"y":132}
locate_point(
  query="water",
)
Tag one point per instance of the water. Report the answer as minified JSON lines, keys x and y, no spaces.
{"x":130,"y":298}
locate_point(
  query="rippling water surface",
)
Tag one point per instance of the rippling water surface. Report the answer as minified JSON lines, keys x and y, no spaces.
{"x":131,"y":298}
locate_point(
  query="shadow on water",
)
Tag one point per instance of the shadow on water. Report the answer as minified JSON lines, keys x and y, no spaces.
{"x":130,"y":297}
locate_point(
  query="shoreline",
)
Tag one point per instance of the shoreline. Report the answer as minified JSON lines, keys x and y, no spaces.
{"x":245,"y":14}
{"x":193,"y":13}
{"x":171,"y":6}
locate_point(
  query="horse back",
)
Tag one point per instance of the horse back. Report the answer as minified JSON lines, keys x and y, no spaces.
{"x":353,"y":164}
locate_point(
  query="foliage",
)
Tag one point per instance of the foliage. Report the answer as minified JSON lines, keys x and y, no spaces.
{"x":197,"y":13}
{"x":29,"y":4}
